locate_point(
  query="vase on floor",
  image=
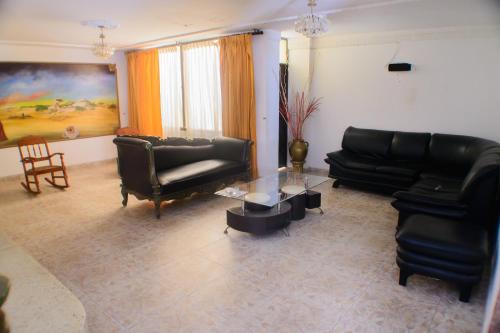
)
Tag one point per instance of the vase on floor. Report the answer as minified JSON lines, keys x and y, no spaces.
{"x":295,"y":115}
{"x":298,"y":151}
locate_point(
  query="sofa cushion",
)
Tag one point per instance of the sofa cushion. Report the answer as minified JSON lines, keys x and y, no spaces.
{"x":388,"y":182}
{"x":195,"y":170}
{"x":368,"y":142}
{"x":432,"y":196}
{"x":437,"y":185}
{"x":407,"y":146}
{"x":432,"y":190}
{"x":167,"y":157}
{"x":442,"y":175}
{"x":443,"y":238}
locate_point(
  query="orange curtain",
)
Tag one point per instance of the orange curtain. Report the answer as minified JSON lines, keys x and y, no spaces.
{"x":144,"y":92}
{"x":237,"y":88}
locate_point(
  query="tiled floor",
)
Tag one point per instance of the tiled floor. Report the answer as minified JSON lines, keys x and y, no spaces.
{"x":133,"y":273}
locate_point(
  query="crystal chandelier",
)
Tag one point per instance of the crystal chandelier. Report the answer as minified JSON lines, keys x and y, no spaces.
{"x":311,"y":25}
{"x":101,"y":49}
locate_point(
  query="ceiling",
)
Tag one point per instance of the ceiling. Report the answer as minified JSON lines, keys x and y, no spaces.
{"x":142,"y":21}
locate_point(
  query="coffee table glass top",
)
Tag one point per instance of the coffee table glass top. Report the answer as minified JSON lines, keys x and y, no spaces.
{"x":273,"y":189}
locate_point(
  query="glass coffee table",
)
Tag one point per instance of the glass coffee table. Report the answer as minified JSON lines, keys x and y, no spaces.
{"x":270,"y":203}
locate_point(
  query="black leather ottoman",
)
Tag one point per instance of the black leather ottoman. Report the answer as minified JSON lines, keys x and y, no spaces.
{"x":441,"y":248}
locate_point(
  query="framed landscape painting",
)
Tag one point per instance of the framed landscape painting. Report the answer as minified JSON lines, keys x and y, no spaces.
{"x":57,"y":101}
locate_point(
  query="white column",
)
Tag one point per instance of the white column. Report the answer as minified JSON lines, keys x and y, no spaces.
{"x":266,"y":76}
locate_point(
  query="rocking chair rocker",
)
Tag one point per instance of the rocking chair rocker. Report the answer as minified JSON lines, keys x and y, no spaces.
{"x":33,"y":150}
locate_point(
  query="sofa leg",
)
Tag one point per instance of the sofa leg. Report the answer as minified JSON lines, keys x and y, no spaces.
{"x":125,"y":197}
{"x":336,"y":183}
{"x":403,"y":277}
{"x":157,"y":202}
{"x":465,"y":292}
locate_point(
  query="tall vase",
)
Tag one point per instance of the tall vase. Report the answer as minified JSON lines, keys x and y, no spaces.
{"x":298,"y":151}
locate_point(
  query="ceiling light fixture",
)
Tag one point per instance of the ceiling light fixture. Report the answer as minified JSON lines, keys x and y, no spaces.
{"x":311,"y":25}
{"x":101,"y":49}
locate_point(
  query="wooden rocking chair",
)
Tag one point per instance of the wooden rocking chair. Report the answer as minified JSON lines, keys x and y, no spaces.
{"x":33,"y":150}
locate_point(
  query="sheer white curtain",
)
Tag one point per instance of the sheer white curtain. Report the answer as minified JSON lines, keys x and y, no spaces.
{"x":202,"y":89}
{"x":171,"y":91}
{"x":201,"y":113}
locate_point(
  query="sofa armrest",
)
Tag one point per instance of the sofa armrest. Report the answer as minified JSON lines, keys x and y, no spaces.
{"x":136,"y":165}
{"x":233,"y":149}
{"x":330,"y":156}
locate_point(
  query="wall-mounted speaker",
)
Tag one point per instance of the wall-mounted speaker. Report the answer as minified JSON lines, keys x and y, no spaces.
{"x":399,"y":67}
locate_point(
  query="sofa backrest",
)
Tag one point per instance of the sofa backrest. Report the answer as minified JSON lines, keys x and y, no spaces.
{"x":456,"y":151}
{"x":409,"y":146}
{"x":177,"y":141}
{"x":480,"y":188}
{"x":172,"y":152}
{"x":232,"y":149}
{"x":172,"y":140}
{"x":486,"y":167}
{"x":167,"y":157}
{"x":368,"y":142}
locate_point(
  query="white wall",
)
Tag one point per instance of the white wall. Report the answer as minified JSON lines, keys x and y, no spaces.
{"x":80,"y":150}
{"x":452,"y":89}
{"x":266,"y":76}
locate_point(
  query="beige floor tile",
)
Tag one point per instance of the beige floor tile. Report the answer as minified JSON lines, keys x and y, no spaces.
{"x":134,"y":273}
{"x":385,"y":311}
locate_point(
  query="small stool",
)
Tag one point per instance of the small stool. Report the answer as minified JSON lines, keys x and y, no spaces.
{"x":449,"y":250}
{"x":298,"y":203}
{"x":313,"y":200}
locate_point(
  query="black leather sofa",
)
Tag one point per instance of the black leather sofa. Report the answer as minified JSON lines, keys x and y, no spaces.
{"x":165,"y":169}
{"x":446,"y":191}
{"x":450,"y":176}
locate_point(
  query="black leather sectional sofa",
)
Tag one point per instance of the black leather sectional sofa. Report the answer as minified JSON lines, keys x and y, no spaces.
{"x":165,"y":169}
{"x":445,"y":175}
{"x":447,"y":193}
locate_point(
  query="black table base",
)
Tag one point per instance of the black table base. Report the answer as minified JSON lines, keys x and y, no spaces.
{"x":260,"y":221}
{"x":298,"y":203}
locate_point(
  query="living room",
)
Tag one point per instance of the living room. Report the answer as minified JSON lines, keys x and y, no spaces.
{"x":250,"y":166}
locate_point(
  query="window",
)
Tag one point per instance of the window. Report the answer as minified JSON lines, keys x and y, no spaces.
{"x":190,"y":90}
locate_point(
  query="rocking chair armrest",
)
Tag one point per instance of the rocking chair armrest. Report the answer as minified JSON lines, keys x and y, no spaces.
{"x":54,"y":154}
{"x":34,"y":159}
